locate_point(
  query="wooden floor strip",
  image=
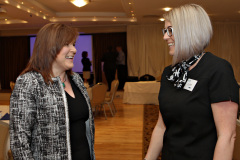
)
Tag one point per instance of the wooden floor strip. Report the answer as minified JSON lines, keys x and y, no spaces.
{"x":119,"y":137}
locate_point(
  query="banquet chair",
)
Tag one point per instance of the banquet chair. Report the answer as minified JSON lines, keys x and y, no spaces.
{"x":98,"y":96}
{"x":236,"y":153}
{"x":109,"y":99}
{"x":12,"y":84}
{"x":4,"y":130}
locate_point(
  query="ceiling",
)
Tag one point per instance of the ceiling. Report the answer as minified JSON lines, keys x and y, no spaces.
{"x":33,"y":14}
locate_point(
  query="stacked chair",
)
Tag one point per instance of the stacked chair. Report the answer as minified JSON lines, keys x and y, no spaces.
{"x":98,"y":96}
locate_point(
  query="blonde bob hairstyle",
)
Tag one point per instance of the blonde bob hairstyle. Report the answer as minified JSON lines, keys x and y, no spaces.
{"x":192,"y":30}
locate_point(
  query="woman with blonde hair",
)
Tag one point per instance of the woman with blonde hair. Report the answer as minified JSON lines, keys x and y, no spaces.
{"x":50,"y":112}
{"x":198,"y":99}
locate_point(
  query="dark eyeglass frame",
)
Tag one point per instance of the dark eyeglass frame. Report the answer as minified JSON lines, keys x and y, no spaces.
{"x":169,"y":31}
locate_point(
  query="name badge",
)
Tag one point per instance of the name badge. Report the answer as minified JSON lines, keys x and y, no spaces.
{"x":190,"y":84}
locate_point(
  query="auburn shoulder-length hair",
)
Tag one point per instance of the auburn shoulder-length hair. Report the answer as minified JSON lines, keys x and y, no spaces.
{"x":192,"y":30}
{"x":50,"y":39}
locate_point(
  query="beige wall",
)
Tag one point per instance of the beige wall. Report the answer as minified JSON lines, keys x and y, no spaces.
{"x":89,"y":29}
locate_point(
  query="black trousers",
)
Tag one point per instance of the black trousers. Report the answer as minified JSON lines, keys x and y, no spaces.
{"x":122,"y":75}
{"x":110,"y":76}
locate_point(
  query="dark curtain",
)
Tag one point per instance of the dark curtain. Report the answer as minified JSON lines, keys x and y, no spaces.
{"x":14,"y":56}
{"x":100,"y":44}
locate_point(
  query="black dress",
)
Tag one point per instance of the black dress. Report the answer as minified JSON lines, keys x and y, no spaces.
{"x":78,"y":115}
{"x":190,"y":129}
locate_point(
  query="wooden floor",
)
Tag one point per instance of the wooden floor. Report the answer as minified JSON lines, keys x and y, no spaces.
{"x":119,"y":137}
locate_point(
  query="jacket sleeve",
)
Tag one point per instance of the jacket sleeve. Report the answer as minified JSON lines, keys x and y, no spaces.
{"x":22,"y":118}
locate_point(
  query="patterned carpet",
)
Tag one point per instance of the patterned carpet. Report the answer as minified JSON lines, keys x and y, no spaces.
{"x":149,"y":122}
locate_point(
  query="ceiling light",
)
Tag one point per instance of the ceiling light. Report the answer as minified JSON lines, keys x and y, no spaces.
{"x":162,"y":19}
{"x":114,"y":19}
{"x":133,"y":19}
{"x":167,"y":9}
{"x":79,"y":3}
{"x":6,"y":1}
{"x":2,"y":10}
{"x":94,"y":19}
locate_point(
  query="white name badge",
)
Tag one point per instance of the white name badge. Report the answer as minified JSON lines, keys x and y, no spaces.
{"x":190,"y":84}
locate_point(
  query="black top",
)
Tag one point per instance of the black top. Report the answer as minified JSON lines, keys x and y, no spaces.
{"x":190,"y":129}
{"x":86,"y":64}
{"x":78,"y":115}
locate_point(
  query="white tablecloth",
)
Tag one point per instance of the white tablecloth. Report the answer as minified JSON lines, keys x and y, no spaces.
{"x":144,"y":92}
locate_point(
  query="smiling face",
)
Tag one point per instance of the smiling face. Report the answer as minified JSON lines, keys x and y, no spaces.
{"x":169,"y":39}
{"x":64,"y":60}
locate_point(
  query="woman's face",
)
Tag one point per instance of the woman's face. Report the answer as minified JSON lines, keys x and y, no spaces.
{"x":169,"y":39}
{"x":64,"y":60}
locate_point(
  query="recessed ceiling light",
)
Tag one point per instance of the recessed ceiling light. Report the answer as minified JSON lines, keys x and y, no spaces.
{"x":167,"y":9}
{"x":6,"y":1}
{"x":2,"y":10}
{"x":94,"y":19}
{"x":133,"y":19}
{"x":18,"y":6}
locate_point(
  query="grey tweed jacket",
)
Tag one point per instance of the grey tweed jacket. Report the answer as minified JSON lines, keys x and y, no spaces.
{"x":39,"y":122}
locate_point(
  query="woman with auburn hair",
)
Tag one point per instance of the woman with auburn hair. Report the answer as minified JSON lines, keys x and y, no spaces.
{"x":198,"y":98}
{"x":51,"y":116}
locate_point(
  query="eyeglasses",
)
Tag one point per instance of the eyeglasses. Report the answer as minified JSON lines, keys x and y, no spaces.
{"x":169,"y":31}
